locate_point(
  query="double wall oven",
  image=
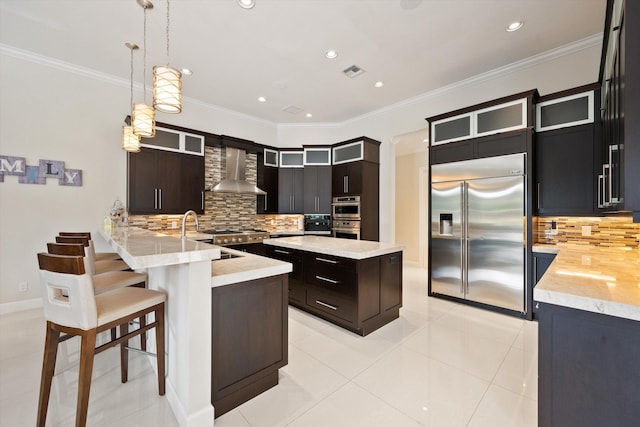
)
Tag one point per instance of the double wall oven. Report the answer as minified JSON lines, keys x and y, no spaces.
{"x":346,"y":217}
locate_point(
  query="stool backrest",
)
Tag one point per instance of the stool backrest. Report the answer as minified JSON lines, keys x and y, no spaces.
{"x":69,"y":298}
{"x":87,"y":242}
{"x":75,"y":234}
{"x":72,"y":249}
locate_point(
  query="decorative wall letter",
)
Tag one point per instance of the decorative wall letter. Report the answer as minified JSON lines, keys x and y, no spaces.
{"x":11,"y":165}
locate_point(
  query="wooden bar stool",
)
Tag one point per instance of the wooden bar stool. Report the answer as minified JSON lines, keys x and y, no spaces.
{"x":104,"y":282}
{"x":72,"y":307}
{"x":100,"y":256}
{"x":100,"y":266}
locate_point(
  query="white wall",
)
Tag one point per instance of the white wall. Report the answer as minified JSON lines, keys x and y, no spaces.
{"x":49,"y":112}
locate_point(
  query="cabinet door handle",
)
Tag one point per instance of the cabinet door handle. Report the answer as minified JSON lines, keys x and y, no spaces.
{"x":324,"y":279}
{"x":202,"y":200}
{"x":538,"y":196}
{"x":155,"y":198}
{"x":282,"y":252}
{"x":535,"y":270}
{"x":265,"y":202}
{"x":330,"y":261}
{"x":324,"y":304}
{"x":160,"y":198}
{"x":600,"y":186}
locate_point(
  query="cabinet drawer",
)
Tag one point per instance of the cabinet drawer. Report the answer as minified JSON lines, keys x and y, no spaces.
{"x":333,"y":305}
{"x":288,"y":255}
{"x":331,"y":274}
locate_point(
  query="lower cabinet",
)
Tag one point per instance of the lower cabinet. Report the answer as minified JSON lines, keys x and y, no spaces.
{"x":359,"y":295}
{"x":541,"y":262}
{"x":249,"y":339}
{"x":588,"y":373}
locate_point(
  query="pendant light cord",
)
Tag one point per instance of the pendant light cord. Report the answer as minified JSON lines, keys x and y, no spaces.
{"x":144,"y":57}
{"x":168,"y":32}
{"x":131,"y":82}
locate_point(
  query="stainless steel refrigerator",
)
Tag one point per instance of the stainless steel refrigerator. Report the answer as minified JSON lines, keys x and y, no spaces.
{"x":478,"y":231}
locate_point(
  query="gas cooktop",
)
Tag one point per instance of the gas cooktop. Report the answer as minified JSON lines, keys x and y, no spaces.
{"x":237,"y":237}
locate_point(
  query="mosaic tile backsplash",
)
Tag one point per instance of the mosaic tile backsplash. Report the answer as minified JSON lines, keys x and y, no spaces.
{"x":596,"y":231}
{"x":223,"y":211}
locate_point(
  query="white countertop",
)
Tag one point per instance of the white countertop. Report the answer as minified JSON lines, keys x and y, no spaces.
{"x":347,"y":248}
{"x":244,"y":268}
{"x":596,"y":279}
{"x":141,"y":248}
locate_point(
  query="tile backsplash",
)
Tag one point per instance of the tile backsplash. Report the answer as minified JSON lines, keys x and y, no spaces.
{"x":222,"y":211}
{"x":610,"y":231}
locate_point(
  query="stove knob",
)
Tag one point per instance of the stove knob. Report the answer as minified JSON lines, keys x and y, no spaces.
{"x":233,"y":239}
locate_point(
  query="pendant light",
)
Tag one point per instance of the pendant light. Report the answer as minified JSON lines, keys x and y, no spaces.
{"x":143,"y":117}
{"x":167,"y":84}
{"x":130,"y":141}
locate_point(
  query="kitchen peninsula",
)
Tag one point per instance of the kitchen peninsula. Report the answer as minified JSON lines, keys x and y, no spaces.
{"x":195,"y":278}
{"x":356,"y":284}
{"x":589,"y":337}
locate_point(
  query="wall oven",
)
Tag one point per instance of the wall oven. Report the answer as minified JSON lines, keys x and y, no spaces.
{"x":346,"y":229}
{"x":346,"y":207}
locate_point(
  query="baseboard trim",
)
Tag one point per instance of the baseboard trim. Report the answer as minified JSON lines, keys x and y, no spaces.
{"x":13,"y":307}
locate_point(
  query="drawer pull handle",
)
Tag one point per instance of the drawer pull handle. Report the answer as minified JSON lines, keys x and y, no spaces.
{"x":282,"y":252}
{"x":335,"y":282}
{"x":330,"y":261}
{"x":324,"y":304}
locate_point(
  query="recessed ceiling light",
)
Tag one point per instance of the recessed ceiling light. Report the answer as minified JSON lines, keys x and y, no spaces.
{"x":262,"y":99}
{"x":331,"y":54}
{"x":309,"y":115}
{"x":379,"y":84}
{"x":515,"y":26}
{"x":246,"y":4}
{"x":186,"y":71}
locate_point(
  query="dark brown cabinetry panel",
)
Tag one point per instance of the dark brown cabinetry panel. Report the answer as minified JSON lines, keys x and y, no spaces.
{"x":487,"y":146}
{"x":290,"y":190}
{"x":249,"y":340}
{"x":566,"y":171}
{"x":268,"y":181}
{"x":588,"y":372}
{"x":317,"y":190}
{"x":296,"y":277}
{"x":164,"y":182}
{"x":347,"y":179}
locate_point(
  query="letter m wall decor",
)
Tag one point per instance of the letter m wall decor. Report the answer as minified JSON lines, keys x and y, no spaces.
{"x":11,"y":165}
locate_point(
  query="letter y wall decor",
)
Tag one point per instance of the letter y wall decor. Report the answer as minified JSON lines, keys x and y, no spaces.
{"x":11,"y":165}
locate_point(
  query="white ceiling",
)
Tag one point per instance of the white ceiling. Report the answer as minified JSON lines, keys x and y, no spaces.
{"x":276,"y":49}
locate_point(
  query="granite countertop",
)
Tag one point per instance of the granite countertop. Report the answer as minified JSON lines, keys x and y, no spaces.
{"x":347,"y":248}
{"x":597,"y":279}
{"x":246,"y":267}
{"x":141,"y":248}
{"x":543,"y":248}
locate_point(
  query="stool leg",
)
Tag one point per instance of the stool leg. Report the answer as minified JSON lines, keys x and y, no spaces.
{"x":87,"y":352}
{"x":143,"y":336}
{"x":48,"y":366}
{"x":159,"y":314}
{"x":124,"y":354}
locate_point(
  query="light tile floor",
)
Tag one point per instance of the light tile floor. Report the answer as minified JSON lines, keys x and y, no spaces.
{"x":440,"y":364}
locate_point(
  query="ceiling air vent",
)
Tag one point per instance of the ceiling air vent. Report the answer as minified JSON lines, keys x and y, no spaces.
{"x":292,"y":109}
{"x":353,"y":71}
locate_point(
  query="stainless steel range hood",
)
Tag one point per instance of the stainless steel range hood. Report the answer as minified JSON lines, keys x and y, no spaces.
{"x":235,"y":181}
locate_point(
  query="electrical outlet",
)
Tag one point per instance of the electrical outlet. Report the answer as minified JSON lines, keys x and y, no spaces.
{"x":586,"y":230}
{"x":23,"y":286}
{"x":174,"y":224}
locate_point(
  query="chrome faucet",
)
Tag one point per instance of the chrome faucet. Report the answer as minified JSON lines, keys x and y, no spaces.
{"x":184,"y":222}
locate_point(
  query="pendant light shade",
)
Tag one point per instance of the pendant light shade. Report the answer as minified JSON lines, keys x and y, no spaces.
{"x":143,"y":121}
{"x":130,"y":141}
{"x":167,"y":89}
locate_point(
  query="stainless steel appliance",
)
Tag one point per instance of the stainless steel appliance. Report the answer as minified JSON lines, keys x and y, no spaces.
{"x":317,"y":224}
{"x":478,"y":231}
{"x":235,"y":237}
{"x":346,"y":207}
{"x":346,"y":229}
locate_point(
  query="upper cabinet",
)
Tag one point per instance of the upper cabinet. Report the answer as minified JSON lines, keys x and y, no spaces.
{"x":267,"y":177}
{"x":270,"y":158}
{"x":177,"y":141}
{"x":317,"y":156}
{"x":620,"y":110}
{"x":566,"y":111}
{"x":291,"y":159}
{"x":354,"y":150}
{"x":504,"y":115}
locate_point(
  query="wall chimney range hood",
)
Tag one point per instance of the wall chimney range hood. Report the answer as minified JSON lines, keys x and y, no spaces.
{"x":235,"y":181}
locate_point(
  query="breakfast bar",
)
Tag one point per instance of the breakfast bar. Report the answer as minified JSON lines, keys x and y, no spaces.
{"x":184,"y":269}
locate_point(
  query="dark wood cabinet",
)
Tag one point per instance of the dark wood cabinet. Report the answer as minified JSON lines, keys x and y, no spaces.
{"x":565,"y":168}
{"x":249,"y":339}
{"x":296,"y":277}
{"x":359,"y":295}
{"x":588,"y":372}
{"x":165,"y":182}
{"x":347,"y":179}
{"x":620,"y":77}
{"x":268,"y":181}
{"x":487,"y":146}
{"x":541,"y":263}
{"x":317,"y":190}
{"x":291,"y":190}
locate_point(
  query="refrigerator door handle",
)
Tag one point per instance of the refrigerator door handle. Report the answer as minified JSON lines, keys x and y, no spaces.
{"x":463,"y":238}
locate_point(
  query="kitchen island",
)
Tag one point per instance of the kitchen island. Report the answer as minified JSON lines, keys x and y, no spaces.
{"x":355,"y":284}
{"x":185,"y":270}
{"x":589,"y":337}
